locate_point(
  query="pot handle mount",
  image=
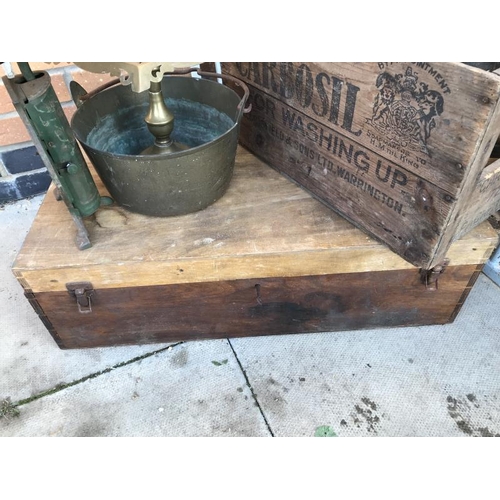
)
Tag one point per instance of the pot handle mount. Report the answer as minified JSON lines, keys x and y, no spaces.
{"x":246,"y":93}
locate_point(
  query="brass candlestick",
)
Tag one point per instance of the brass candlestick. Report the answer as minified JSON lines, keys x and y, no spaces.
{"x":160,"y":121}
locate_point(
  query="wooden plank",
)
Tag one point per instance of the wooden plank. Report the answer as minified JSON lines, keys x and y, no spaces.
{"x":426,"y":129}
{"x":263,"y":227}
{"x":482,"y":202}
{"x":401,"y":209}
{"x":467,"y":290}
{"x":260,"y":213}
{"x":329,"y":261}
{"x":255,"y":307}
{"x":280,"y":262}
{"x":480,"y":196}
{"x":455,"y":103}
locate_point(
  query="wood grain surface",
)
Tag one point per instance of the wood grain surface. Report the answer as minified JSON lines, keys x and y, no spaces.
{"x":265,"y":259}
{"x":469,"y":97}
{"x":265,"y":226}
{"x":151,"y":314}
{"x":397,"y":148}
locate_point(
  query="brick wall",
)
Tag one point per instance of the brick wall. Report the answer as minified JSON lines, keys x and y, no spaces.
{"x":22,"y":172}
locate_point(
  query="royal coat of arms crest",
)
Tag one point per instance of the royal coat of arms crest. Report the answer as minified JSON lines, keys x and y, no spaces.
{"x":406,"y":110}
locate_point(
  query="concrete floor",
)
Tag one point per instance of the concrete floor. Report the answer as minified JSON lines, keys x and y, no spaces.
{"x":426,"y":381}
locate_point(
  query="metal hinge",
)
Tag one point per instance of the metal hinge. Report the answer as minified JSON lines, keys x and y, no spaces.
{"x":82,"y":291}
{"x":430,"y":277}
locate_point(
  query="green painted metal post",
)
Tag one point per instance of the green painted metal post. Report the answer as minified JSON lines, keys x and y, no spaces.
{"x":47,"y":117}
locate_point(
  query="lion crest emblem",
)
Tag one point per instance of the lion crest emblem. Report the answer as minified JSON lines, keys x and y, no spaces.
{"x":406,"y":110}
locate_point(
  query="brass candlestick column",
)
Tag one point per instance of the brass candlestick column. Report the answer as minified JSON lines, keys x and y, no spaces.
{"x":160,"y":121}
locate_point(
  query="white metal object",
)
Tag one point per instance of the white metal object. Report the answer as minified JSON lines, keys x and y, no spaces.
{"x":137,"y":74}
{"x":7,"y":67}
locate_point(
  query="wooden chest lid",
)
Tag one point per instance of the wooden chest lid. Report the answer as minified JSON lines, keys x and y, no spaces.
{"x":264,"y":226}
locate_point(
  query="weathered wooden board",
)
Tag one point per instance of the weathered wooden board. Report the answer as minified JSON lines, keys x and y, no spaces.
{"x":397,"y":148}
{"x":395,"y":203}
{"x":264,"y":306}
{"x":267,"y":258}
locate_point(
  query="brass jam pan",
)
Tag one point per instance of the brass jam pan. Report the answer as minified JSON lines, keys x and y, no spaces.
{"x":110,"y":126}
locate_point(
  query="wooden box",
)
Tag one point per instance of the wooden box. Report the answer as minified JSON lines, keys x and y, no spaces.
{"x":399,"y":149}
{"x":265,"y":259}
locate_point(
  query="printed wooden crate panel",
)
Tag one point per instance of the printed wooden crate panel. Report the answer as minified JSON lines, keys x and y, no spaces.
{"x":399,"y":149}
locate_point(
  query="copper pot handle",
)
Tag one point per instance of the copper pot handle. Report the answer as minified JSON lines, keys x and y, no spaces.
{"x":210,"y":74}
{"x":79,"y":94}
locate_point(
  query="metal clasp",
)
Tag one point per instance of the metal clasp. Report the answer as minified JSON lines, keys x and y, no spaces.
{"x":82,"y":291}
{"x":430,"y":277}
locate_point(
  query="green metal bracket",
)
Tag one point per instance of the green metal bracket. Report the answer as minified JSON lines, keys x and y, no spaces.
{"x":38,"y":106}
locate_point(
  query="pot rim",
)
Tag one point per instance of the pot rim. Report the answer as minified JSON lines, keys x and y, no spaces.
{"x":178,"y":154}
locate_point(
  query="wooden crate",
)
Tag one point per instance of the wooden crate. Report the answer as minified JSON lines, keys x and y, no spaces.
{"x":399,"y":149}
{"x":265,"y":259}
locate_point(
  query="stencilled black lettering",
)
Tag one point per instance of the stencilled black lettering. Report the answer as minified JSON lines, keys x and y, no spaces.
{"x":286,"y":80}
{"x":378,"y":172}
{"x":312,"y":132}
{"x":323,"y":96}
{"x":268,"y":78}
{"x":254,"y":73}
{"x":343,"y":151}
{"x":319,"y":149}
{"x":352,"y":92}
{"x":304,"y":85}
{"x":336,"y":93}
{"x":362,"y":163}
{"x":335,"y":98}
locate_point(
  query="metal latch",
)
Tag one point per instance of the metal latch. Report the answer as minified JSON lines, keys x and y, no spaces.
{"x":82,"y":291}
{"x":430,"y":277}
